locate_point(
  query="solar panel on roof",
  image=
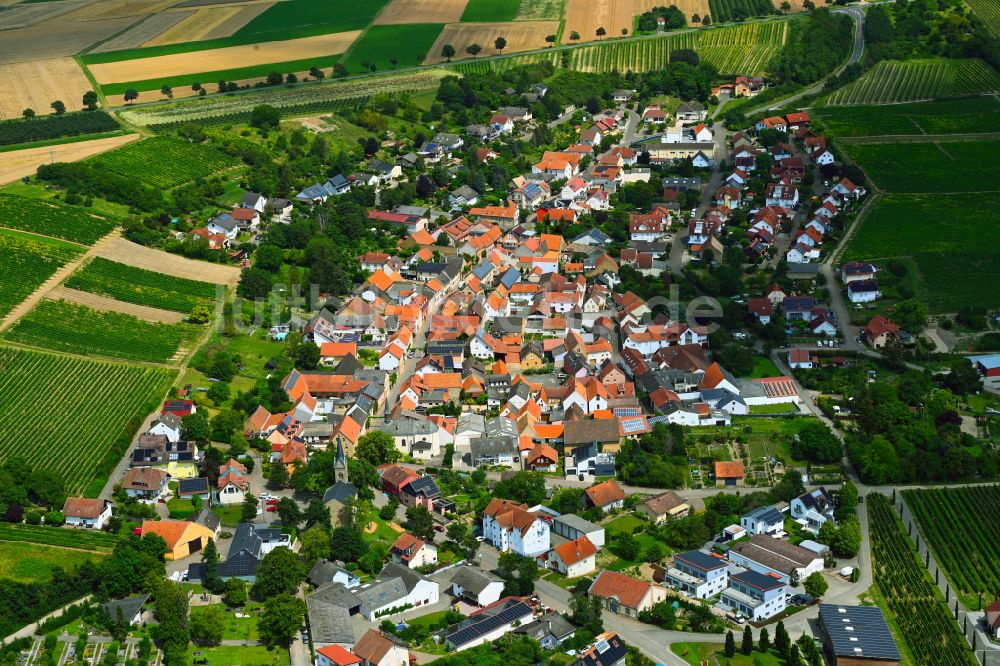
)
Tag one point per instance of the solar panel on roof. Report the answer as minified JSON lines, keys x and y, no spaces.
{"x":633,"y":425}
{"x":480,"y":627}
{"x":627,"y":411}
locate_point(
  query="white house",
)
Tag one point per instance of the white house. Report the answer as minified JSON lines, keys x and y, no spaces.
{"x":755,"y":595}
{"x":412,"y":552}
{"x":767,"y":555}
{"x":812,"y":509}
{"x":233,"y":483}
{"x":169,"y":425}
{"x":573,"y":558}
{"x":85,"y":512}
{"x":476,"y":586}
{"x":863,"y":291}
{"x":511,"y":527}
{"x":396,"y":586}
{"x":698,"y":574}
{"x":765,"y":520}
{"x":799,"y":357}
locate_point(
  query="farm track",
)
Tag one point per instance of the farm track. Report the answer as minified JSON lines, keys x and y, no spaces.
{"x":64,"y":272}
{"x":105,"y":304}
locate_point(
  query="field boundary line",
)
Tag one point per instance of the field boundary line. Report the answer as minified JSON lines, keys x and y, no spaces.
{"x":849,"y":233}
{"x":56,"y":279}
{"x":107,"y":304}
{"x":95,"y":358}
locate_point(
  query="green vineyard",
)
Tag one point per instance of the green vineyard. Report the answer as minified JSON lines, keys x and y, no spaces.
{"x":961,"y":525}
{"x":50,"y":219}
{"x":72,"y":415}
{"x":742,"y":49}
{"x":989,"y":12}
{"x":165,"y":162}
{"x":76,"y":329}
{"x":26,"y":262}
{"x":54,"y":536}
{"x":892,"y":82}
{"x":913,"y":601}
{"x":727,"y":10}
{"x":142,"y":287}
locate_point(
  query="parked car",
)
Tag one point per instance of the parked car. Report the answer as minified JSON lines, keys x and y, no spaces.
{"x":272,"y":507}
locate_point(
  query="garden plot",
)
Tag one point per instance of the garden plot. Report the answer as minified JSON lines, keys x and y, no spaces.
{"x":520,"y":36}
{"x":421,"y":11}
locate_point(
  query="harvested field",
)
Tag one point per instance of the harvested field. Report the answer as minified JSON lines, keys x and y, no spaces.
{"x":182,"y":92}
{"x":57,"y":38}
{"x":586,"y":16}
{"x":23,"y":16}
{"x":145,"y":31}
{"x":111,"y":9}
{"x":126,"y":252}
{"x":520,"y":36}
{"x":421,"y":11}
{"x":206,"y":3}
{"x":180,"y":64}
{"x":209,"y":23}
{"x":105,"y":304}
{"x":796,"y":5}
{"x":37,"y":84}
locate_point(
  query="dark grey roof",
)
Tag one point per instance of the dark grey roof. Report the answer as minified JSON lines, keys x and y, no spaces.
{"x":129,"y":606}
{"x":758,"y":580}
{"x":383,"y":592}
{"x":409,"y":427}
{"x":487,"y":621}
{"x":335,"y":594}
{"x":340,"y":492}
{"x":424,"y":486}
{"x":858,"y":631}
{"x":323,"y":572}
{"x":492,"y":445}
{"x":604,"y":652}
{"x":409,"y":577}
{"x":194,"y":486}
{"x":766,"y":514}
{"x":701,"y":560}
{"x":208,"y":519}
{"x":473,"y":579}
{"x":576,"y":522}
{"x":329,"y":623}
{"x":552,"y":624}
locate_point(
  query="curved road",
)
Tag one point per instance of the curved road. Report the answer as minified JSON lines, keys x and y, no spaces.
{"x":856,"y":13}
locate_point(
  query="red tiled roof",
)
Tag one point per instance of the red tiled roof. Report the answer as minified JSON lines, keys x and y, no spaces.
{"x":629,"y":591}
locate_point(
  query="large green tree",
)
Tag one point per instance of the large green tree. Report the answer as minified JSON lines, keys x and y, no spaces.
{"x":279,"y":572}
{"x":207,"y":624}
{"x":283,"y":615}
{"x":377,"y":448}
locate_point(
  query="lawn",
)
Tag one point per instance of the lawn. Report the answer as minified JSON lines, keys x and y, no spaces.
{"x":242,"y":628}
{"x":231,"y":516}
{"x":31,"y":562}
{"x":233,"y":655}
{"x":428,"y":620}
{"x":180,"y":509}
{"x":624,"y":525}
{"x":780,"y":408}
{"x":380,"y":45}
{"x":935,"y":230}
{"x":488,"y":11}
{"x":701,"y":653}
{"x":763,"y":367}
{"x":942,"y":166}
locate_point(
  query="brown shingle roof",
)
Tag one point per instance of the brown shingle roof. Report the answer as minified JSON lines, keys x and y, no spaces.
{"x":661,"y":504}
{"x":373,"y":646}
{"x":629,"y":591}
{"x":83,"y":507}
{"x":605,"y":493}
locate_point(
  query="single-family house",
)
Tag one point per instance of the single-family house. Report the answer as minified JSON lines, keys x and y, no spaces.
{"x":754,"y":595}
{"x":86,"y":512}
{"x":512,"y":527}
{"x":763,"y":520}
{"x":624,"y":594}
{"x":698,"y":574}
{"x":573,"y":558}
{"x":476,"y":586}
{"x":664,"y":507}
{"x":412,"y":552}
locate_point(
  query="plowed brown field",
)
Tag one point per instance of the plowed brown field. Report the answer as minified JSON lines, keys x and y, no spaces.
{"x":520,"y":36}
{"x":422,"y":11}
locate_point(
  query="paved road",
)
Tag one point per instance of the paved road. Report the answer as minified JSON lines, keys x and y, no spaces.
{"x":858,"y":15}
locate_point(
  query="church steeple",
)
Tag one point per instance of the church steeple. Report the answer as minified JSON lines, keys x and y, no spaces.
{"x":340,"y":463}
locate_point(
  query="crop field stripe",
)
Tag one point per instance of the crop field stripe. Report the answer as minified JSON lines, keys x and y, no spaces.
{"x":71,"y":223}
{"x":26,"y":262}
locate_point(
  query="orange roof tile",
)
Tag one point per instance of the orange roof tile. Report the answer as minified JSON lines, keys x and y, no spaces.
{"x":729,"y":469}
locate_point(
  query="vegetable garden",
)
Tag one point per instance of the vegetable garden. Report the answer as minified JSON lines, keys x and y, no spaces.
{"x":892,"y":82}
{"x":221,"y":109}
{"x":165,"y":162}
{"x":961,"y":525}
{"x":73,"y":415}
{"x":75,"y":329}
{"x":51,"y":127}
{"x":911,"y":596}
{"x":26,"y":262}
{"x":51,"y":219}
{"x":142,"y":287}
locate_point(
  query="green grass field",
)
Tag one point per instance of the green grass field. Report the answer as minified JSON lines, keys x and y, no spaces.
{"x":624,"y":525}
{"x":76,"y":329}
{"x":537,"y":10}
{"x":142,"y":287}
{"x":34,"y":563}
{"x":235,"y":655}
{"x":486,"y":11}
{"x":74,"y":416}
{"x":701,"y":653}
{"x":764,"y":367}
{"x":72,"y":223}
{"x":291,"y":19}
{"x":165,"y":161}
{"x":968,"y":115}
{"x":26,"y":262}
{"x":891,"y":81}
{"x":935,"y":230}
{"x":381,"y":44}
{"x":941,"y":166}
